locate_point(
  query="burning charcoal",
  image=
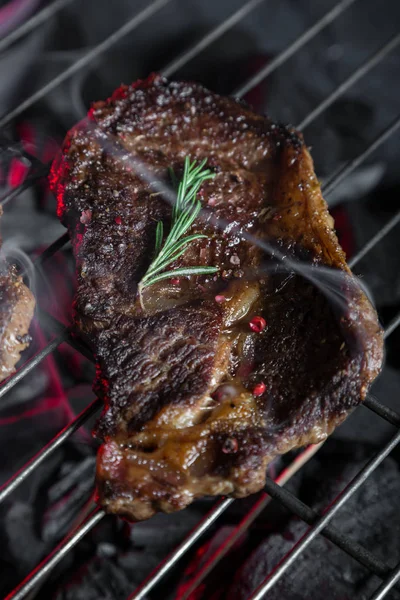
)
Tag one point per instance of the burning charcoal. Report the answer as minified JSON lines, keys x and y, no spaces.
{"x":148,"y":547}
{"x":124,"y":556}
{"x":72,"y":476}
{"x":22,"y":535}
{"x":380,"y":268}
{"x":67,"y":497}
{"x":323,"y":571}
{"x":361,"y":426}
{"x":110,"y":561}
{"x":34,"y":384}
{"x":337,"y":580}
{"x":101,"y":579}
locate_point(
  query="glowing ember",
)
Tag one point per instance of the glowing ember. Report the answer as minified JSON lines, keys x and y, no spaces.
{"x":259,"y":389}
{"x":18,"y":172}
{"x":257,"y":324}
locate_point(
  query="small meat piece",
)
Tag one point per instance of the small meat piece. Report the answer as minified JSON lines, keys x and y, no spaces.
{"x":198,"y":402}
{"x":17,"y":305}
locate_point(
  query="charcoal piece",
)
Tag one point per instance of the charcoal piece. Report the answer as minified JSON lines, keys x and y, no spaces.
{"x":381,"y":267}
{"x":66,"y":499}
{"x":363,"y":426}
{"x":323,"y":571}
{"x":101,"y":579}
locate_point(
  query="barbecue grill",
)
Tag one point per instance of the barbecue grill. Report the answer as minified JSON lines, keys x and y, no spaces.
{"x":319,"y":524}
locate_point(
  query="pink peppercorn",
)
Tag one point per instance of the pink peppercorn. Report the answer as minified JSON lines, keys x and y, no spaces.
{"x":219,"y":298}
{"x":257,"y":324}
{"x":259,"y":389}
{"x":118,"y":220}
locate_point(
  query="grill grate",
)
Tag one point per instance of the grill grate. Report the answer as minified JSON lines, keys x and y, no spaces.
{"x":318,"y":524}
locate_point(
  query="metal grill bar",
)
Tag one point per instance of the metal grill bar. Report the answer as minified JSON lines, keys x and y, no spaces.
{"x":72,"y":539}
{"x":387,"y":228}
{"x":224,"y":548}
{"x":54,"y":558}
{"x":245,"y":523}
{"x":52,"y":249}
{"x":352,"y":548}
{"x":55,"y":325}
{"x":211,"y":37}
{"x":392,"y":326}
{"x":47,"y":450}
{"x":177,"y":554}
{"x":376,"y":58}
{"x":310,"y":516}
{"x":32,"y":363}
{"x":132,"y":24}
{"x":63,"y":335}
{"x":327,"y":188}
{"x":301,"y":41}
{"x":387,"y":584}
{"x":373,"y":405}
{"x":383,"y":411}
{"x":302,"y":544}
{"x":29,"y":181}
{"x":60,"y":438}
{"x":349,"y":167}
{"x":36,"y":20}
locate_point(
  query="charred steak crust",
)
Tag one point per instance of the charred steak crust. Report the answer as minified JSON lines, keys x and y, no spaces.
{"x":181,"y":419}
{"x":173,"y":352}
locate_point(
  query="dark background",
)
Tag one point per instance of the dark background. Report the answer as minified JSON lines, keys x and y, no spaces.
{"x":115,"y":557}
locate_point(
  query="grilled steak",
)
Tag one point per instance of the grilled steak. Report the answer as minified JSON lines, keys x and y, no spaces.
{"x":16,"y":311}
{"x":196,"y":401}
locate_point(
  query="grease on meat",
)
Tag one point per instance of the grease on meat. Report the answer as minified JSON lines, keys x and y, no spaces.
{"x":180,"y":418}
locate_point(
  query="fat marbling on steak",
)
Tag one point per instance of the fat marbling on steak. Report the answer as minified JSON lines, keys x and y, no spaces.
{"x":196,"y":403}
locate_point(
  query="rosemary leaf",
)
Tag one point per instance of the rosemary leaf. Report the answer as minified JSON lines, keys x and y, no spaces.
{"x":184,"y":271}
{"x":185,"y":211}
{"x":159,"y":235}
{"x":178,"y":250}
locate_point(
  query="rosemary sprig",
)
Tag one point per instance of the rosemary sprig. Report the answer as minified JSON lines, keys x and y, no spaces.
{"x":185,"y":211}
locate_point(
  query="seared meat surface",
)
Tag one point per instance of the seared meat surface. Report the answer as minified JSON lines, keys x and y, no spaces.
{"x":196,"y":401}
{"x":16,"y":311}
